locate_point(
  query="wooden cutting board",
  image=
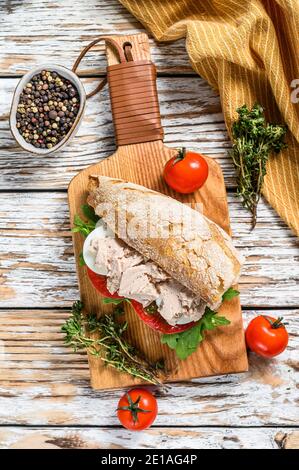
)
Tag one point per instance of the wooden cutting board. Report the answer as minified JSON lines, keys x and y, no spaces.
{"x":223,"y":351}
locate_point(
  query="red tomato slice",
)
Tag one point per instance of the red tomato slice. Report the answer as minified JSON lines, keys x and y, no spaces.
{"x":157,"y":322}
{"x":153,"y":320}
{"x":100,"y":284}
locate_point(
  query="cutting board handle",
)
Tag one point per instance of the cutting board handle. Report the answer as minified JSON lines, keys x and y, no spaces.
{"x":131,"y":76}
{"x":133,"y":91}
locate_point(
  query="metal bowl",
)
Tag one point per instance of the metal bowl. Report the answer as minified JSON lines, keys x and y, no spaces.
{"x":69,"y":75}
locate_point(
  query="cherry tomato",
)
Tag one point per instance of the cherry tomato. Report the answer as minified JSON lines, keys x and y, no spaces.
{"x":186,"y":172}
{"x":137,"y":409}
{"x":266,"y":336}
{"x":100,"y":284}
{"x":154,"y":320}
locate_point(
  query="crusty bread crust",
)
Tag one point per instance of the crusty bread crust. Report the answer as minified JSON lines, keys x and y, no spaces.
{"x":187,"y":245}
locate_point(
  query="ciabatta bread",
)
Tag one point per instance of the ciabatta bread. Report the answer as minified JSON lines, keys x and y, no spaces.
{"x":187,"y":245}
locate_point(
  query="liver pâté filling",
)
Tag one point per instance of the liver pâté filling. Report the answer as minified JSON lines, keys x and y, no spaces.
{"x":132,"y":276}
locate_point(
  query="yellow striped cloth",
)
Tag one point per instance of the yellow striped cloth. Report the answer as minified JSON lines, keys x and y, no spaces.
{"x":249,"y":51}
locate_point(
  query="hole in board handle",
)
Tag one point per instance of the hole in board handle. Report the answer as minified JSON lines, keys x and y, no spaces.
{"x":127,"y":47}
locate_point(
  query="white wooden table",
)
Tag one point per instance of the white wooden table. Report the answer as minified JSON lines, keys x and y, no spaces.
{"x":45,"y":397}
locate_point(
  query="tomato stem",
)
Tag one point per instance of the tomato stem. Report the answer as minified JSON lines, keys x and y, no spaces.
{"x":133,"y":408}
{"x":180,"y":155}
{"x":276,"y":323}
{"x":182,"y":152}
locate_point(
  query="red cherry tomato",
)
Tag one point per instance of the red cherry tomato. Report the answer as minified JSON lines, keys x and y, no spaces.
{"x":154,"y":320}
{"x":186,"y":172}
{"x":266,"y":336}
{"x":137,"y":409}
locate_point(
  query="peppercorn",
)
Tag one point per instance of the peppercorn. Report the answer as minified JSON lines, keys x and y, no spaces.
{"x":52,"y":114}
{"x":47,"y":109}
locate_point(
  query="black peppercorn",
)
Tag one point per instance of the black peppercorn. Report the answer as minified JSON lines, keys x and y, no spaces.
{"x":52,"y":114}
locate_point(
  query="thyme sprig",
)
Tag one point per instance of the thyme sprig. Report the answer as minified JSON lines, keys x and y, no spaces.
{"x":104,"y":338}
{"x":254,"y":140}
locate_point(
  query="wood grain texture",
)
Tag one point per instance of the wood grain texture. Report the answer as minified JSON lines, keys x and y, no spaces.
{"x":33,"y":32}
{"x":223,"y":350}
{"x":46,"y":384}
{"x":43,"y":383}
{"x":191,"y":117}
{"x":166,"y":438}
{"x":37,"y":266}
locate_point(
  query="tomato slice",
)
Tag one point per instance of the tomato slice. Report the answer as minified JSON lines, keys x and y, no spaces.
{"x":157,"y":322}
{"x":100,"y":284}
{"x":153,"y":320}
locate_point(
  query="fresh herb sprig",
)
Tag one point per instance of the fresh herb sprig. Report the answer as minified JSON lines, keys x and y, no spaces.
{"x":104,"y":338}
{"x":254,"y":140}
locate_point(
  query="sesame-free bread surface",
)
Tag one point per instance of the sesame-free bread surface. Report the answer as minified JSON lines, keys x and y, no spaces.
{"x":187,"y":245}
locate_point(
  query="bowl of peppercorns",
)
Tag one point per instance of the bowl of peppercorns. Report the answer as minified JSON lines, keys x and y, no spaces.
{"x":47,"y":108}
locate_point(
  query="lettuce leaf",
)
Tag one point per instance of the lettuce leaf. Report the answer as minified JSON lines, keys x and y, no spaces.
{"x":230,"y":294}
{"x":186,"y":342}
{"x":82,"y":226}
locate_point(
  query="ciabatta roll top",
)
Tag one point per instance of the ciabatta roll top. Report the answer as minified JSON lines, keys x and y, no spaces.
{"x":188,"y":246}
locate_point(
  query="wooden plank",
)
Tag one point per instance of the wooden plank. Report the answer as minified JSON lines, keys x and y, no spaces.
{"x":37,"y":262}
{"x":47,"y":393}
{"x":224,"y":350}
{"x":166,"y":438}
{"x":191,"y":117}
{"x":43,"y":383}
{"x":33,"y":32}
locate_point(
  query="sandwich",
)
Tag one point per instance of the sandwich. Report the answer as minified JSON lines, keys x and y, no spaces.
{"x":169,"y":260}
